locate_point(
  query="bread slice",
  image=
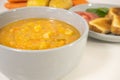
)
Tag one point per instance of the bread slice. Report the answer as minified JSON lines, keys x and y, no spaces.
{"x":100,"y":25}
{"x":113,"y":11}
{"x":65,"y":4}
{"x":115,"y":28}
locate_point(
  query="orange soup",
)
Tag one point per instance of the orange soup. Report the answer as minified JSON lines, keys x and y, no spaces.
{"x":37,"y":34}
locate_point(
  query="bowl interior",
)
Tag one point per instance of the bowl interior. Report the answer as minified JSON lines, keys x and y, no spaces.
{"x":43,"y":12}
{"x":46,"y":12}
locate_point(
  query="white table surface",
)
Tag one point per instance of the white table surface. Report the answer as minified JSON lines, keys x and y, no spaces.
{"x":100,"y":61}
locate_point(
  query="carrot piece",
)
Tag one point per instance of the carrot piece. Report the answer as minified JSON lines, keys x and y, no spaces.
{"x":17,"y":1}
{"x":76,"y":2}
{"x":15,"y":5}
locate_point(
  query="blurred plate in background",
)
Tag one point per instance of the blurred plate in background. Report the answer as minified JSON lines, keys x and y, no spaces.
{"x":99,"y":36}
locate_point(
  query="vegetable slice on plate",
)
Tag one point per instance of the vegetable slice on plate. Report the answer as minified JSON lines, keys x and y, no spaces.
{"x":101,"y":12}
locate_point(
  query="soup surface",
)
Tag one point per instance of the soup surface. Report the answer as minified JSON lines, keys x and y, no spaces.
{"x":37,"y":34}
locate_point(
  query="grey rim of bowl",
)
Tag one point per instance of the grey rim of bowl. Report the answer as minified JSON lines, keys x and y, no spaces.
{"x":46,"y":50}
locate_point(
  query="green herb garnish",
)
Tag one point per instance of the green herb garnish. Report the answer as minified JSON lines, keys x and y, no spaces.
{"x":101,"y":12}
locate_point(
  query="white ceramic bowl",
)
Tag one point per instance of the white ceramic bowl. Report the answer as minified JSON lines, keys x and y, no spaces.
{"x":99,"y":36}
{"x":48,"y":64}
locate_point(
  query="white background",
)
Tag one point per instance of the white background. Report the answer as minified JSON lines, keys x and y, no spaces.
{"x":100,"y":61}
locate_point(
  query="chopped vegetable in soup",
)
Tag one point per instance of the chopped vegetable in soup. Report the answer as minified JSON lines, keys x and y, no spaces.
{"x":37,"y":34}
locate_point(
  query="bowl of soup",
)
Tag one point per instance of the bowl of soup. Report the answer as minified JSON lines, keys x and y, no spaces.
{"x":40,"y":43}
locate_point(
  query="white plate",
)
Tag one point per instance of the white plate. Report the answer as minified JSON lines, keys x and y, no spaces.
{"x":104,"y":37}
